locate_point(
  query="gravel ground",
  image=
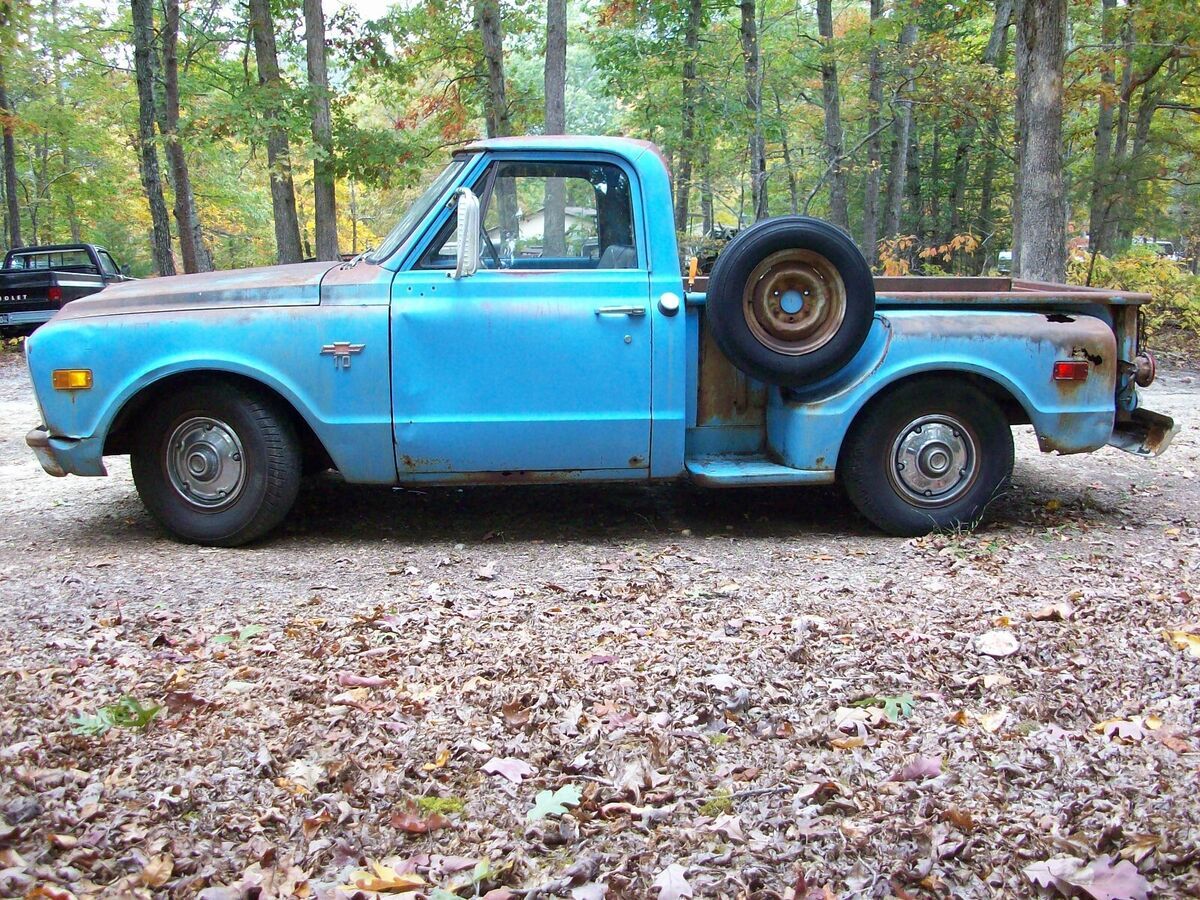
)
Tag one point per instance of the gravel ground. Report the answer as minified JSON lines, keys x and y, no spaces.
{"x":732,"y":694}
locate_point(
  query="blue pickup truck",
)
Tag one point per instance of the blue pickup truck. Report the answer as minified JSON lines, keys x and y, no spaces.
{"x":527,"y":321}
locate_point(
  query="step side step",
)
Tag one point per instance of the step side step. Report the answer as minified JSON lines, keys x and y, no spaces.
{"x":750,"y":471}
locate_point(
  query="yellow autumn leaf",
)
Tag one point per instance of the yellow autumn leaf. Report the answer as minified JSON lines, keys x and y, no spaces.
{"x":1184,"y":640}
{"x":383,"y":878}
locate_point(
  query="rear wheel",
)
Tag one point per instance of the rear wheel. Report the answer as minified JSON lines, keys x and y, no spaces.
{"x":929,"y":455}
{"x":217,"y":465}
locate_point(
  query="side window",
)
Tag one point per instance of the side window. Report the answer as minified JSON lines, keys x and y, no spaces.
{"x":551,"y":216}
{"x":107,"y":266}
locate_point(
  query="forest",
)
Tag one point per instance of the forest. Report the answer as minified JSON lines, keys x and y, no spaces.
{"x":186,"y":135}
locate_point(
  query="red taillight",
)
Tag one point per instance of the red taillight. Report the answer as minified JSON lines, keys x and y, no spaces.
{"x":1071,"y":370}
{"x":54,"y":294}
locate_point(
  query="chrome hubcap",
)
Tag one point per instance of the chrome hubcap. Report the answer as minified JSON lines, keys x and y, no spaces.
{"x":933,"y":461}
{"x":205,"y":462}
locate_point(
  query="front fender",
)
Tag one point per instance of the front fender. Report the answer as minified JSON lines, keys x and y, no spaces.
{"x":348,"y":408}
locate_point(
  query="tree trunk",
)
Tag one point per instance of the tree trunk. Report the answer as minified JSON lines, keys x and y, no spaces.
{"x":1108,"y":221}
{"x":758,"y":147}
{"x":1041,"y":39}
{"x":192,"y":251}
{"x":687,"y":134}
{"x":706,"y":192}
{"x":839,"y":210}
{"x":870,"y":225}
{"x":491,"y":35}
{"x":1101,"y":174}
{"x":898,"y":163}
{"x":143,"y":60}
{"x":1147,"y":107}
{"x":555,"y":80}
{"x":324,"y":197}
{"x":998,"y":43}
{"x":283,"y":194}
{"x":8,"y":113}
{"x":785,"y":148}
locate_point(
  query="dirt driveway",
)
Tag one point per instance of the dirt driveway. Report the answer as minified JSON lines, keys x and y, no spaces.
{"x":729,"y":694}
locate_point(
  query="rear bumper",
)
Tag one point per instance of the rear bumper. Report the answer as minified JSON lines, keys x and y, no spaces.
{"x":1144,"y":433}
{"x":29,"y":317}
{"x":66,"y":456}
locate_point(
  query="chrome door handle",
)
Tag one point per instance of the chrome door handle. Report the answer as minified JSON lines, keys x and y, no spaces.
{"x":621,"y":311}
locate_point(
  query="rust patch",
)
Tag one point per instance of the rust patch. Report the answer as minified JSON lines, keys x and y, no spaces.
{"x":726,"y":395}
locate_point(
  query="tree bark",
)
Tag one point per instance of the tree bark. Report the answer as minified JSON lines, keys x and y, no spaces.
{"x":192,"y":252}
{"x":706,"y":192}
{"x":324,"y":196}
{"x":687,"y":132}
{"x":555,"y":81}
{"x":898,"y":163}
{"x":758,"y":147}
{"x":143,"y":63}
{"x":1041,"y":41}
{"x":998,"y":47}
{"x":785,"y":148}
{"x":1101,"y":174}
{"x":870,"y":225}
{"x":8,"y":113}
{"x":283,"y":194}
{"x":839,"y":209}
{"x":491,"y":35}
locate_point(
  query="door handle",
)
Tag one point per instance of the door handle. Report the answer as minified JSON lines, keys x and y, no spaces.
{"x":621,"y":311}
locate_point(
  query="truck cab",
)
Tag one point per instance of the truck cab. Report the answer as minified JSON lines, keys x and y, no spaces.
{"x":527,"y":320}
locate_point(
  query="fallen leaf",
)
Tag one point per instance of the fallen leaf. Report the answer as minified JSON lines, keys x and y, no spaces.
{"x":1053,"y":612}
{"x":1184,"y":640}
{"x":515,"y":714}
{"x":350,"y":680}
{"x":411,"y":820}
{"x":920,"y":768}
{"x":515,"y":770}
{"x":157,"y":870}
{"x":999,"y":643}
{"x":729,"y":827}
{"x":1099,"y":879}
{"x":554,"y":803}
{"x":672,"y":884}
{"x":380,"y":877}
{"x":1129,"y":730}
{"x":993,"y":721}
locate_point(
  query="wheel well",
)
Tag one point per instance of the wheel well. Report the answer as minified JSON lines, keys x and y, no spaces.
{"x":120,"y":436}
{"x":1003,"y":397}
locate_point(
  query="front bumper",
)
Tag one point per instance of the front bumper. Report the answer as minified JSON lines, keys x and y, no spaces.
{"x":66,"y":456}
{"x":24,"y":319}
{"x":1144,"y":433}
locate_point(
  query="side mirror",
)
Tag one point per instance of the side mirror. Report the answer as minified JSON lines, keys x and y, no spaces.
{"x":467,"y":261}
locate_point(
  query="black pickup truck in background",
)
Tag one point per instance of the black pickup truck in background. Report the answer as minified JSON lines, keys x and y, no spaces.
{"x":36,"y":281}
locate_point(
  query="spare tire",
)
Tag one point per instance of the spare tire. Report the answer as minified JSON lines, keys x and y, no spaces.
{"x":791,"y":300}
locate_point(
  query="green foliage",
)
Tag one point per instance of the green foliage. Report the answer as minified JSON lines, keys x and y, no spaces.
{"x":718,"y":803}
{"x":242,"y":635}
{"x":895,"y":708}
{"x":554,"y":803}
{"x":128,"y":712}
{"x":1176,"y":292}
{"x":443,"y":806}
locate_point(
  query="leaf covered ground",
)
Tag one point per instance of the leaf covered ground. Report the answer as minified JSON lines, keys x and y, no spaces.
{"x":609,"y":691}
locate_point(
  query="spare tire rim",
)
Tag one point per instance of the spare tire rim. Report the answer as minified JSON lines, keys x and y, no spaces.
{"x":933,"y":461}
{"x":205,"y":462}
{"x":794,"y":301}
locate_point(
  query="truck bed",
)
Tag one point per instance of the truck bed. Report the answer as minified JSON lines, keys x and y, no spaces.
{"x":953,"y":290}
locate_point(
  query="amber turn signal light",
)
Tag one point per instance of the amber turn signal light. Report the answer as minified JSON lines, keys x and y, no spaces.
{"x":71,"y":379}
{"x":1071,"y":370}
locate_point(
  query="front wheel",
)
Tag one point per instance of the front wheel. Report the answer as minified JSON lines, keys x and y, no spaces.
{"x":217,"y":465}
{"x":930,"y":455}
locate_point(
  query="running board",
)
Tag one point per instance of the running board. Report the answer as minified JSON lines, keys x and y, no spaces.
{"x":750,"y":471}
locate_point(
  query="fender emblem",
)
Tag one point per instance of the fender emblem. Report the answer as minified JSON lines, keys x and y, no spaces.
{"x":341,"y":352}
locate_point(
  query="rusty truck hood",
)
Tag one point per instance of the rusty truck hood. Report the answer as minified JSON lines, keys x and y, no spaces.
{"x":291,"y":285}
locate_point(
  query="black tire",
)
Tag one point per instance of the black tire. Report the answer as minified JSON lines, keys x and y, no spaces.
{"x":756,"y":332}
{"x":885,"y":462}
{"x":213,"y":438}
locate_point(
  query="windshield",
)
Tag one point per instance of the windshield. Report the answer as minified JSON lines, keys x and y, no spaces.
{"x":417,"y":211}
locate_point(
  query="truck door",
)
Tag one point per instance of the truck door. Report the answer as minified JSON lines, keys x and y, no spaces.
{"x":540,"y":361}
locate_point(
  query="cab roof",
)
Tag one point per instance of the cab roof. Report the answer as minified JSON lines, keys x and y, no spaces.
{"x":629,"y":148}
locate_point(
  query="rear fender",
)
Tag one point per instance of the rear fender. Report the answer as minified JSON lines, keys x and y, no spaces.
{"x":1009,"y":354}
